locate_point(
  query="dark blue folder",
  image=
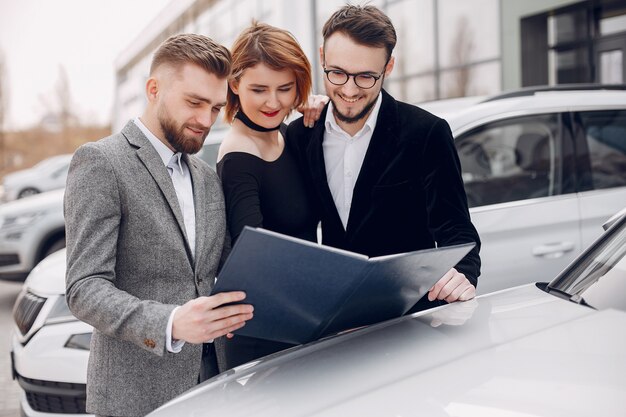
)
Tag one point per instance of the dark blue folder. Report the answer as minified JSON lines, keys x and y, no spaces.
{"x":302,"y":291}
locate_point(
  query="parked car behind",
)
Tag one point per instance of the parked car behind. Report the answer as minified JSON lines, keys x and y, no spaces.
{"x":30,"y":229}
{"x":542,"y":168}
{"x":49,"y":174}
{"x":211,"y":146}
{"x":556,"y":349}
{"x":50,"y":347}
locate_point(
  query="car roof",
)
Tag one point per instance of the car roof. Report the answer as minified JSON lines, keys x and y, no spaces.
{"x":466,"y":117}
{"x":53,"y":161}
{"x":516,"y":344}
{"x":450,"y":106}
{"x":47,"y":202}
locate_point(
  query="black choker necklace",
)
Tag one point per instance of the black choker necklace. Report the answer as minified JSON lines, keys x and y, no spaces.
{"x":246,"y":121}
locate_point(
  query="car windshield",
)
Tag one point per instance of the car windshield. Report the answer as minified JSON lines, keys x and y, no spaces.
{"x":46,"y":162}
{"x":598,"y":278}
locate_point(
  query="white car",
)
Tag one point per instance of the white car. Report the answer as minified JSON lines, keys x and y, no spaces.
{"x":49,"y":174}
{"x":50,"y":348}
{"x":30,"y":229}
{"x":550,"y":350}
{"x":542,"y":168}
{"x":530,"y":350}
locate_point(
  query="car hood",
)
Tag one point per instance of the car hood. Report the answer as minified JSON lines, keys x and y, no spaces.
{"x":521,"y":352}
{"x":42,"y":201}
{"x":48,"y":277}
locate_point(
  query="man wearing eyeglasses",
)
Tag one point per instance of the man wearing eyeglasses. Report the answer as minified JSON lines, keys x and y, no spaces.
{"x":385,"y":174}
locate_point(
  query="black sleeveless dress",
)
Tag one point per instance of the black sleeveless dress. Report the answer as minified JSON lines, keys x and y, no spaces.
{"x":264,"y":194}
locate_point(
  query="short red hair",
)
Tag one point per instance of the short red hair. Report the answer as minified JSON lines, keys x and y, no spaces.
{"x":274,"y":47}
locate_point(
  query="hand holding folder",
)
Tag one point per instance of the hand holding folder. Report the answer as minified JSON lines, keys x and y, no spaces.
{"x":302,"y":291}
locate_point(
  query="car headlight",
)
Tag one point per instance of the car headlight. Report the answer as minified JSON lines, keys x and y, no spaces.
{"x":60,"y":312}
{"x":18,"y":221}
{"x":79,"y":341}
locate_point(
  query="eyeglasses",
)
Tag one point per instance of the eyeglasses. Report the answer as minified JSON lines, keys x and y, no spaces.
{"x":362,"y":79}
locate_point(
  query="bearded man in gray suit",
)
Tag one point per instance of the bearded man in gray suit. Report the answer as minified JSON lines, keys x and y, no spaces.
{"x":145,"y":225}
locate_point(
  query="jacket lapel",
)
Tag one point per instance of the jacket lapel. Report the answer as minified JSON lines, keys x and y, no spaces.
{"x":380,"y":151}
{"x":154,"y":164}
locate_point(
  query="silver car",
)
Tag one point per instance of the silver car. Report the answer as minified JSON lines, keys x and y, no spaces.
{"x":543,"y":168}
{"x":556,"y":349}
{"x":30,"y":229}
{"x":49,"y":174}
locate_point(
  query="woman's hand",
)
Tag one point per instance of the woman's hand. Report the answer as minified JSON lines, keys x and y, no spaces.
{"x":312,"y":109}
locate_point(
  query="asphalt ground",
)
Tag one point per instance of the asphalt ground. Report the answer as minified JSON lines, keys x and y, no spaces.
{"x":9,"y":390}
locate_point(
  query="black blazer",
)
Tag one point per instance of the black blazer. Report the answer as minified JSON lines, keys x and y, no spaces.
{"x":409,"y":194}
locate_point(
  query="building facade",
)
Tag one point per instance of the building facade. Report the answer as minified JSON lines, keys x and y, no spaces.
{"x":446,"y":48}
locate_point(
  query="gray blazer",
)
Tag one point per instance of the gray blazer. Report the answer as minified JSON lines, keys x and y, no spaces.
{"x":129,"y":265}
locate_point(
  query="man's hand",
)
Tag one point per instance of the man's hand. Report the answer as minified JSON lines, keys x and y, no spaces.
{"x":202,"y":319}
{"x":312,"y":109}
{"x":453,"y":286}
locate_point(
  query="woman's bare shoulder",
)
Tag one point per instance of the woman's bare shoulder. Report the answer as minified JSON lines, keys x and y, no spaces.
{"x":234,"y":142}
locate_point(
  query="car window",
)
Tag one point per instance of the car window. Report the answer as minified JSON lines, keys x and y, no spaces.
{"x":511,"y":160}
{"x":46,"y":163}
{"x":209,"y":154}
{"x":605,"y":133}
{"x":61,"y":172}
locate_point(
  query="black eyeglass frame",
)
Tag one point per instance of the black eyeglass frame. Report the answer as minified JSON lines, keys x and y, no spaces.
{"x":348,"y":75}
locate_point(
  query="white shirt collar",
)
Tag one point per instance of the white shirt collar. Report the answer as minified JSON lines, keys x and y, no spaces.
{"x":370,"y":124}
{"x":164,"y":152}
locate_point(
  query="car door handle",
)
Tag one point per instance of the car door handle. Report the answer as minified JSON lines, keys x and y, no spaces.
{"x":553,"y":250}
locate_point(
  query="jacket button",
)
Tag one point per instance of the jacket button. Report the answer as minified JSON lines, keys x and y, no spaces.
{"x":149,"y":343}
{"x":199,"y":280}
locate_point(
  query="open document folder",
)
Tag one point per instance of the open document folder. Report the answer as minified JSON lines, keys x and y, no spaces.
{"x":302,"y":291}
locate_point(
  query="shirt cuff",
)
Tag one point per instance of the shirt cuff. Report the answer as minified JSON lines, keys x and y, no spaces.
{"x":173,"y":346}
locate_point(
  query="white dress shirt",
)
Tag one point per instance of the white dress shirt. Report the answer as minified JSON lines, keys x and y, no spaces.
{"x":343,"y":157}
{"x":181,"y":179}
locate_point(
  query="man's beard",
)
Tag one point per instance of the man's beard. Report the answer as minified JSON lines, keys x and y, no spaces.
{"x":176,"y":136}
{"x":353,"y":119}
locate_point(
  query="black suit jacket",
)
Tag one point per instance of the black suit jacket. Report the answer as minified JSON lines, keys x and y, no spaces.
{"x":409,"y":194}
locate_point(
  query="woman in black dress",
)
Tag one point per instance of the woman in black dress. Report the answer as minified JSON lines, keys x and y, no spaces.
{"x":262,"y":183}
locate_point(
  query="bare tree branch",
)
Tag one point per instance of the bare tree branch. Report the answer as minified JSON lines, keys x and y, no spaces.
{"x":64,"y":101}
{"x":3,"y":110}
{"x":461,"y":55}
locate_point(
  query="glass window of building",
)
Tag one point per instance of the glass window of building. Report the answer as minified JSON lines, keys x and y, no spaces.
{"x":468,"y":31}
{"x":415,"y":49}
{"x":412,"y":90}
